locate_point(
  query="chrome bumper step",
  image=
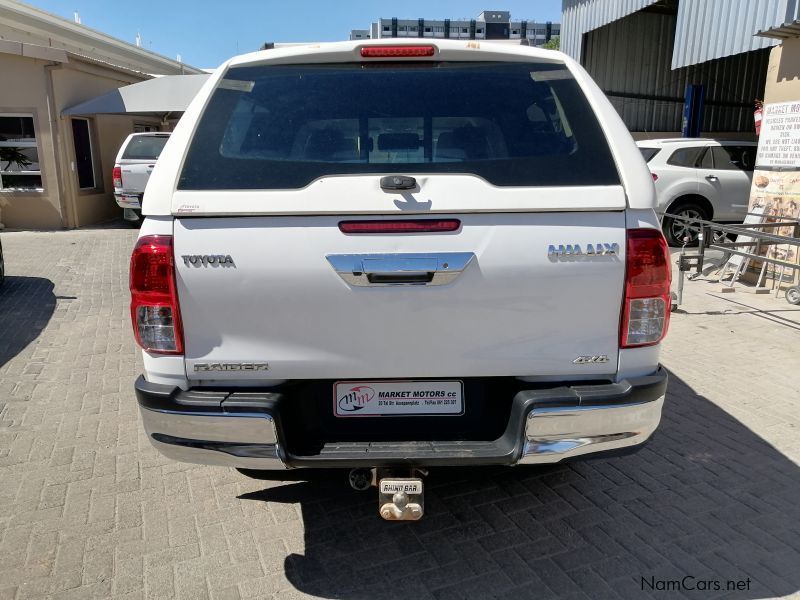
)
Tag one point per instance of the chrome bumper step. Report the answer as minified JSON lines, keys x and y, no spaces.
{"x":242,"y":429}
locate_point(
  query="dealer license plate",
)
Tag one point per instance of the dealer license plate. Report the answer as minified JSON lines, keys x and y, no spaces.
{"x":131,"y":201}
{"x":397,"y":398}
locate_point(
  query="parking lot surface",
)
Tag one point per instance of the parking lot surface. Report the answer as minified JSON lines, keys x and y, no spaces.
{"x":89,"y":510}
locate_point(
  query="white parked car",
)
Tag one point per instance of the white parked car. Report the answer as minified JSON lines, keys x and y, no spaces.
{"x":135,"y":161}
{"x":699,"y":178}
{"x":388,"y":256}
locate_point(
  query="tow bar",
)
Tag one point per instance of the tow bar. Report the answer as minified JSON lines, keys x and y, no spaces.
{"x":400,"y":492}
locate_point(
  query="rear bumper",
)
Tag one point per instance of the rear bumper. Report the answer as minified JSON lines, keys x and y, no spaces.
{"x":133,"y":201}
{"x":242,"y":428}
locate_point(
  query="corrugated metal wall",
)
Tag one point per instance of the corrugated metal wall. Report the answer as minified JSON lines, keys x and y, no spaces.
{"x":580,"y":16}
{"x":709,"y":29}
{"x":631,"y":61}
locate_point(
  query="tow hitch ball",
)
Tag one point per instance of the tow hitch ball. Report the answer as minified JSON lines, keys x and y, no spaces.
{"x":400,"y":493}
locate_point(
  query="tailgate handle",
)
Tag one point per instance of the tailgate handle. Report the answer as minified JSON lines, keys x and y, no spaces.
{"x":438,"y":268}
{"x":388,"y":278}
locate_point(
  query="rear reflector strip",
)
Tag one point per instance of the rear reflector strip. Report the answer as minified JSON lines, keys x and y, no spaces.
{"x":405,"y":226}
{"x":396,"y":51}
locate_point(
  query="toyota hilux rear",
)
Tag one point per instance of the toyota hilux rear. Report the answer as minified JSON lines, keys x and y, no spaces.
{"x":393,"y":257}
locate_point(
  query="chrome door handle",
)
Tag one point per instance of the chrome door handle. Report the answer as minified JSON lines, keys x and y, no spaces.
{"x":438,"y":268}
{"x":409,"y":278}
{"x":712,"y":177}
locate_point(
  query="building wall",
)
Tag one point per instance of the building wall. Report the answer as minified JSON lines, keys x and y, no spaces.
{"x":62,"y":203}
{"x":783,"y":74}
{"x":48,"y":64}
{"x":73,"y":84}
{"x":710,"y":30}
{"x":28,"y":94}
{"x":630,"y":59}
{"x":706,"y":29}
{"x":581,"y":16}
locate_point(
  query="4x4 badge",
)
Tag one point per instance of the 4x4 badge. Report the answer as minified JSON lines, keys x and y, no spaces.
{"x":585,"y":360}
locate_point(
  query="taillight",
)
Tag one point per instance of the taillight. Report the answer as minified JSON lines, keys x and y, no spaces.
{"x":645,"y":312}
{"x":116,"y":176}
{"x":400,"y":226}
{"x":154,"y":299}
{"x":655,"y":177}
{"x":396,"y":51}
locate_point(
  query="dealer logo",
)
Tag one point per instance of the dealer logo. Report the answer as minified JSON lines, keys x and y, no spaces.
{"x":355,"y":398}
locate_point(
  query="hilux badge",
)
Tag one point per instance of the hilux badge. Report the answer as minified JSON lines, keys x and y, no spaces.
{"x":575,"y":250}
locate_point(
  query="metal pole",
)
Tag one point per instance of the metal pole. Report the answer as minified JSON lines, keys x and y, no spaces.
{"x":777,"y":283}
{"x":680,"y":275}
{"x":761,"y":275}
{"x":705,"y":233}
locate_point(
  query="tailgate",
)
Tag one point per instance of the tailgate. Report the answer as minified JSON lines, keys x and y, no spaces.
{"x":287,"y":298}
{"x":135,"y":175}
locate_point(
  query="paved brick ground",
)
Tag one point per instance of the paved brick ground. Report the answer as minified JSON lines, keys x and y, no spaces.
{"x":89,"y":510}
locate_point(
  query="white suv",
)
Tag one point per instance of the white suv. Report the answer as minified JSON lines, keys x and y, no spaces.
{"x":389,"y":256}
{"x":699,"y":178}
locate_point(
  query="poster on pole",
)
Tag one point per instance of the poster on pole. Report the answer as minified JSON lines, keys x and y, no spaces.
{"x":776,"y":178}
{"x":779,"y":140}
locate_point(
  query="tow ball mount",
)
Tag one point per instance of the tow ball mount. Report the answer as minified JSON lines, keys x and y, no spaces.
{"x":400,"y":492}
{"x":401,"y":498}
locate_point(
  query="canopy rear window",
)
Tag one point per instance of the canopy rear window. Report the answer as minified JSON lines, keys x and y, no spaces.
{"x":145,"y":147}
{"x":513,"y":124}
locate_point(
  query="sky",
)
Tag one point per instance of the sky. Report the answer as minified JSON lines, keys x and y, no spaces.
{"x":207,"y":32}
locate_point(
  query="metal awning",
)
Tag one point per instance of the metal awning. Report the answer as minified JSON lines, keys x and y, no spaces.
{"x":160,"y":96}
{"x":782,"y":32}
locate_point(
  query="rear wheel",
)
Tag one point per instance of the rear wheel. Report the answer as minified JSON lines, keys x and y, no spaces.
{"x":678,"y":231}
{"x":793,"y":295}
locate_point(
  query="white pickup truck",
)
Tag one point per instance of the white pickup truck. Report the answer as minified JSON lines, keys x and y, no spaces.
{"x":133,"y":166}
{"x":393,"y":257}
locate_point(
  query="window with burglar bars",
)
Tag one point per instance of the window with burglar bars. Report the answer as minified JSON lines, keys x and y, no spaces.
{"x":19,"y":153}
